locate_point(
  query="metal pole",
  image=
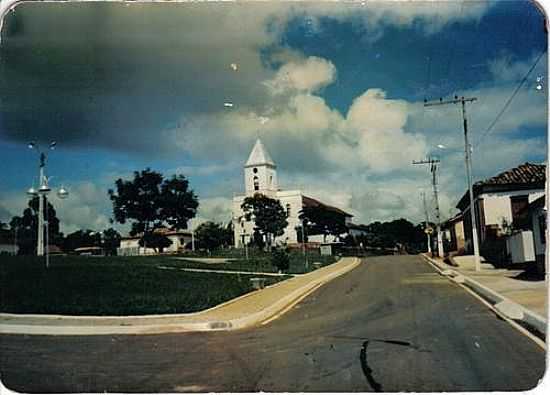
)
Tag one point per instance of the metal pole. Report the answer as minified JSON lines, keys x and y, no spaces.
{"x":193,"y":240}
{"x":467,"y":149}
{"x":40,"y":239}
{"x":47,"y":238}
{"x":427,"y":223}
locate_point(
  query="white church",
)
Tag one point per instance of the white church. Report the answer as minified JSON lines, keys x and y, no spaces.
{"x":260,"y":176}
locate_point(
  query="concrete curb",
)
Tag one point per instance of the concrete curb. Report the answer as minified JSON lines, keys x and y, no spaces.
{"x":502,"y":304}
{"x":280,"y":306}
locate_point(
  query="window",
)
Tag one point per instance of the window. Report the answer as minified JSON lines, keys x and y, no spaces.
{"x":288,"y":210}
{"x":256,"y":184}
{"x":254,"y":170}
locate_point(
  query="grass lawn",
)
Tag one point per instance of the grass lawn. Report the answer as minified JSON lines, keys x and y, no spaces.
{"x":257,"y":262}
{"x":111,"y":286}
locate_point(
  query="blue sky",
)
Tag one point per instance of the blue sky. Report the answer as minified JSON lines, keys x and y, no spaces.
{"x":341,"y":86}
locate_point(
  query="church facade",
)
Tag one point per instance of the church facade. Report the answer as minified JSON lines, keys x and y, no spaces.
{"x":260,"y":176}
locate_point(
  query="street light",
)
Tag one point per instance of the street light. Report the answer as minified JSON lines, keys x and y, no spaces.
{"x":42,"y":193}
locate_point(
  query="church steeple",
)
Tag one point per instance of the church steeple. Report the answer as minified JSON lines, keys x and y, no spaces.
{"x":259,"y":156}
{"x":260,"y":174}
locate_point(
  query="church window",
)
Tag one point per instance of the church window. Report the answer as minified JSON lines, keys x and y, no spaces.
{"x":255,"y":170}
{"x":256,"y":184}
{"x":270,"y":180}
{"x":288,"y":210}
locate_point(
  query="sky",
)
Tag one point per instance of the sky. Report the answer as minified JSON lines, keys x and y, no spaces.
{"x":335,"y":90}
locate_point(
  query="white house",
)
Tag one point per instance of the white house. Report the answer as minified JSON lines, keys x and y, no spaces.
{"x":181,"y":239}
{"x":502,"y":201}
{"x":260,"y":176}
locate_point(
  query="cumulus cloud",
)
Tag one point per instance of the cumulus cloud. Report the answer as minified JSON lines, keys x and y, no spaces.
{"x":309,"y":75}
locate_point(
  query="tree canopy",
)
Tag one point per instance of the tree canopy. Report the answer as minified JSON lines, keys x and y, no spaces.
{"x":268,"y":215}
{"x":26,"y":226}
{"x":150,"y":202}
{"x":320,"y":220}
{"x":211,"y":235}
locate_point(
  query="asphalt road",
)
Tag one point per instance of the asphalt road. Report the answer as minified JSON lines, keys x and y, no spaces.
{"x":392,"y":324}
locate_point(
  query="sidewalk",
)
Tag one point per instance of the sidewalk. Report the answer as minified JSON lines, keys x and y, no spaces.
{"x":527,"y":297}
{"x":247,"y":310}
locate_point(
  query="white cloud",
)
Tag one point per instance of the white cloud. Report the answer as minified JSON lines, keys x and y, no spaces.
{"x":308,"y":75}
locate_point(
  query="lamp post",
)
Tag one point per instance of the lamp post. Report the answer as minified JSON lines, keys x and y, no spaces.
{"x":42,"y":193}
{"x":306,"y":263}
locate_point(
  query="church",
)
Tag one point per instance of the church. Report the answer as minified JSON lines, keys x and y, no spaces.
{"x":260,"y":176}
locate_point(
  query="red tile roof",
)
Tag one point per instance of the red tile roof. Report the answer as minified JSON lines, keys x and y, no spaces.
{"x":527,"y":173}
{"x":310,"y":202}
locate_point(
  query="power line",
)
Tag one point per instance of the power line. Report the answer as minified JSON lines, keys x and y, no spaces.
{"x":505,"y":107}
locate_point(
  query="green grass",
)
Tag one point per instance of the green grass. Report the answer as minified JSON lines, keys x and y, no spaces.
{"x":257,"y":262}
{"x":111,"y":286}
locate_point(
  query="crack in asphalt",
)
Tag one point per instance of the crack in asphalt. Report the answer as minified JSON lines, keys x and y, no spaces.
{"x":367,"y":371}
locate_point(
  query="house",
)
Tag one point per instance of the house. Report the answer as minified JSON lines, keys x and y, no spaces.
{"x":181,"y":239}
{"x":260,"y":176}
{"x":453,"y":233}
{"x":500,"y":202}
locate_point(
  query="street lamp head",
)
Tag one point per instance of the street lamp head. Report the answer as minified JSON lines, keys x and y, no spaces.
{"x":32,"y":145}
{"x":62,"y":193}
{"x":441,"y":146}
{"x":53,"y":144}
{"x":44,"y":189}
{"x":32,"y":192}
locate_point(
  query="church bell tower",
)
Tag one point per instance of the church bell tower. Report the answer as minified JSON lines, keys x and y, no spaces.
{"x":260,"y":172}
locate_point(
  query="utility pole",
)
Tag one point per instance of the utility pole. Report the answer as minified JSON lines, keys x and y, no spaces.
{"x":427,"y":223}
{"x":433,"y":168}
{"x":467,"y":151}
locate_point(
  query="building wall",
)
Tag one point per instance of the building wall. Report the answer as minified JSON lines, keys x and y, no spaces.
{"x":497,"y":205}
{"x":267,"y":178}
{"x":459,"y":235}
{"x":242,"y":227}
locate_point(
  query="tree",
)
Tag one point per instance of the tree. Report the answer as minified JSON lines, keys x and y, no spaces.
{"x":211,"y":235}
{"x":26,"y":227}
{"x":155,"y":240}
{"x":152,"y":202}
{"x":323,"y":220}
{"x":280,"y":259}
{"x":81,"y":238}
{"x":268,"y":215}
{"x":111,"y":241}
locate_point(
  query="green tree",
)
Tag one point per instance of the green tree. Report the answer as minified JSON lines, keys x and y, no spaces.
{"x":26,"y":227}
{"x":280,"y":259}
{"x":155,"y":240}
{"x":211,"y":235}
{"x":322,"y":220}
{"x":81,"y":238}
{"x":150,"y":202}
{"x":268,"y":215}
{"x":111,"y":241}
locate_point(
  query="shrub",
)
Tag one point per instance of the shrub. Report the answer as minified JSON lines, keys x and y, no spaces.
{"x":280,"y":260}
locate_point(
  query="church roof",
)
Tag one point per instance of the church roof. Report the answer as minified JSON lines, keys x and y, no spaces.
{"x":310,"y":202}
{"x":259,"y":156}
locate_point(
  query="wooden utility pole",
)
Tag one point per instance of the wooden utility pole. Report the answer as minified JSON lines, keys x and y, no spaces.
{"x":467,"y":151}
{"x":433,"y":168}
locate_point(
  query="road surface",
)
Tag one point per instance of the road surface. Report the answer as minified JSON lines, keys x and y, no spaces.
{"x":392,"y":324}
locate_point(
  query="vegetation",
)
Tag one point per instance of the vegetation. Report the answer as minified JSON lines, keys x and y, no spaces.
{"x":25,"y":227}
{"x":210,"y":236}
{"x":268,"y":215}
{"x":280,"y":259}
{"x":111,"y":286}
{"x":321,"y":220}
{"x":150,"y":202}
